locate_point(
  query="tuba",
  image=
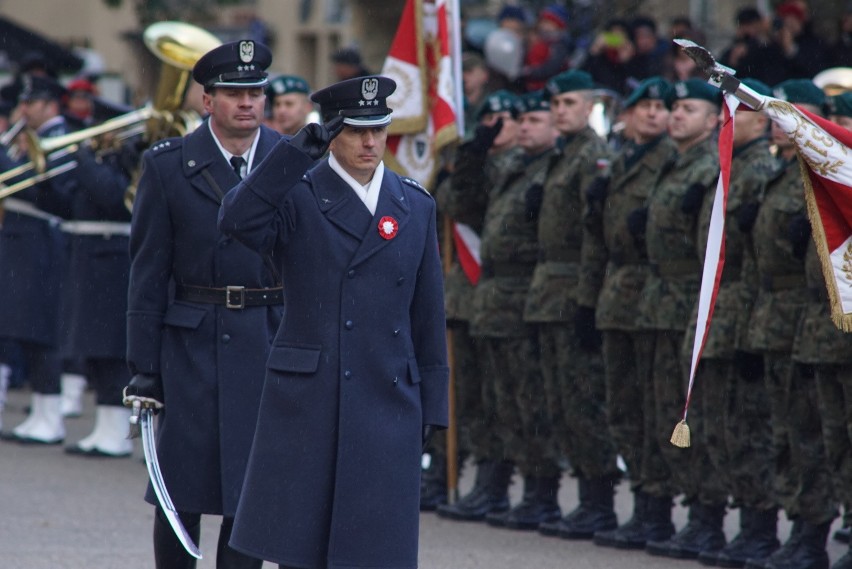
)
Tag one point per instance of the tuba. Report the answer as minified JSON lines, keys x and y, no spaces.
{"x":178,"y":46}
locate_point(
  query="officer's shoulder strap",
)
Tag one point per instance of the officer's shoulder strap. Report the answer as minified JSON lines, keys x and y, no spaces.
{"x":166,"y":145}
{"x":414,"y":184}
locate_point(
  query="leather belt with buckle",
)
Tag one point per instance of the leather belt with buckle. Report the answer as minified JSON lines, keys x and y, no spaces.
{"x":234,"y":297}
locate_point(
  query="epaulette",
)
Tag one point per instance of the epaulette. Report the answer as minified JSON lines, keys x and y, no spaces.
{"x":167,"y":144}
{"x":414,"y":183}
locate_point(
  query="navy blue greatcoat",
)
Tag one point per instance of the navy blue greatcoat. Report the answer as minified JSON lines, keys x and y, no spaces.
{"x":211,"y":358}
{"x":356,"y":369}
{"x":33,"y":254}
{"x":96,"y":293}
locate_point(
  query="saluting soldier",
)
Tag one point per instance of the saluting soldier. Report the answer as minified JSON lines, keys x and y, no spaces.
{"x":202,"y":308}
{"x":290,"y":103}
{"x":33,"y":255}
{"x":619,"y":273}
{"x":669,"y":225}
{"x":561,"y":310}
{"x":482,"y":164}
{"x":779,"y":238}
{"x":834,"y":374}
{"x":357,"y":376}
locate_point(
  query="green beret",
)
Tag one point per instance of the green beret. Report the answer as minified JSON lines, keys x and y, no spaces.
{"x":497,"y":102}
{"x":650,"y":88}
{"x":534,"y":101}
{"x":800,"y":91}
{"x":840,"y":104}
{"x":288,"y":84}
{"x":757,"y":86}
{"x":567,"y":81}
{"x":694,"y":89}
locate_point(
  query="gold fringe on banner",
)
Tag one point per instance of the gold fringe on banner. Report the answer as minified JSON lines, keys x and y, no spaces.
{"x":841,"y":320}
{"x":680,"y":435}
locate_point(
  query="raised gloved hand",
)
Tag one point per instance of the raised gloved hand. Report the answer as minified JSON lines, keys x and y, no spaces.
{"x":146,"y":389}
{"x":313,"y":139}
{"x":484,"y":136}
{"x":588,"y":336}
{"x":746,"y":216}
{"x":799,"y":233}
{"x":692,"y":199}
{"x":597,"y":190}
{"x":636,"y":222}
{"x":749,"y":366}
{"x":428,"y":432}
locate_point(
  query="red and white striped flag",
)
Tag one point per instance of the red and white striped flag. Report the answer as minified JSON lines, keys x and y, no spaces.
{"x":425,"y":104}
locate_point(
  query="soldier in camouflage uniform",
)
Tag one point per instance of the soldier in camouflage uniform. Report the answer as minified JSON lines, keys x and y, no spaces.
{"x":826,"y":353}
{"x":492,"y":149}
{"x":509,"y":349}
{"x":619,"y":273}
{"x":779,"y":244}
{"x":571,"y":364}
{"x":669,"y":226}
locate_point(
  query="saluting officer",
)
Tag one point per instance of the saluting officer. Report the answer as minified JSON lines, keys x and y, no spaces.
{"x":199,"y":352}
{"x":357,"y":377}
{"x":289,"y":102}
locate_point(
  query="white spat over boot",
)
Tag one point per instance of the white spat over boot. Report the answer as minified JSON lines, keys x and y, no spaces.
{"x":73,"y":387}
{"x":109,"y":436}
{"x":48,"y":427}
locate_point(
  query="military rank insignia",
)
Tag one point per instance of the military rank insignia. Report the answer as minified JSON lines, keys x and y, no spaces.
{"x":388,"y":227}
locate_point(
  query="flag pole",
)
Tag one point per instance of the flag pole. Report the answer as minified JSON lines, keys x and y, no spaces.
{"x":458,"y":85}
{"x":452,"y":427}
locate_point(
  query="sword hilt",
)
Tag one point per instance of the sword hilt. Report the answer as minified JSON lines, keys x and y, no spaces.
{"x":135,"y":429}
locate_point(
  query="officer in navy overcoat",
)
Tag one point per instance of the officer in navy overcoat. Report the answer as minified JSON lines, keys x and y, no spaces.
{"x":357,"y":376}
{"x":33,"y":254}
{"x":202,"y":308}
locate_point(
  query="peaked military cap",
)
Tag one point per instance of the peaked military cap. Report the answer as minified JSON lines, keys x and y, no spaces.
{"x":802,"y":91}
{"x":650,"y":88}
{"x":840,"y":104}
{"x":534,"y":101}
{"x":284,"y":84}
{"x":499,"y":101}
{"x":567,"y":81}
{"x":361,"y":101}
{"x":38,"y":87}
{"x":236,"y":64}
{"x":694,"y":89}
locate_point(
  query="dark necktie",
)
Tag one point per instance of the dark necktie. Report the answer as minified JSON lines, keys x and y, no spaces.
{"x":237,"y":163}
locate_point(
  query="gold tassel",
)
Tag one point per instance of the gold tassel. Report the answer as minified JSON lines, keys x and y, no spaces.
{"x":680,"y":435}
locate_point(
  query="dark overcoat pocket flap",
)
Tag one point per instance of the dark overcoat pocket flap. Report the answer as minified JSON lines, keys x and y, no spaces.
{"x":294,"y":359}
{"x":184,"y":315}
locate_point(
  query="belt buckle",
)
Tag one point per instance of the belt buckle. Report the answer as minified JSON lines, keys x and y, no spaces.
{"x":241,"y":302}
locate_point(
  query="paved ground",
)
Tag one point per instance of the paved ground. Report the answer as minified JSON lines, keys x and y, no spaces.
{"x":66,"y":512}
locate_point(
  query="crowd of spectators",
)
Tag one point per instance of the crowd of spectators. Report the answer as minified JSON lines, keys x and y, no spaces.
{"x":622,"y":52}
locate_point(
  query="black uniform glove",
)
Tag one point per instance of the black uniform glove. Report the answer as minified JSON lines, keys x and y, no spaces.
{"x":799,"y":233}
{"x":313,"y":139}
{"x":145,"y":388}
{"x":533,"y":198}
{"x":428,"y":433}
{"x":597,"y":190}
{"x":692,"y":199}
{"x":749,"y":366}
{"x":484,"y":136}
{"x":636,"y":222}
{"x":588,"y":335}
{"x":746,"y":216}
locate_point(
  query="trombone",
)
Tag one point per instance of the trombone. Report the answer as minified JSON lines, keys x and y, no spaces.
{"x":178,"y":45}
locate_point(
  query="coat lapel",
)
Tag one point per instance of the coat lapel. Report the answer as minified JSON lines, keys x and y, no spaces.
{"x":200,"y":152}
{"x":392,"y":203}
{"x":338,"y":202}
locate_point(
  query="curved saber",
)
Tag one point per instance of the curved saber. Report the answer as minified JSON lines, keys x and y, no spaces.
{"x":146,"y":419}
